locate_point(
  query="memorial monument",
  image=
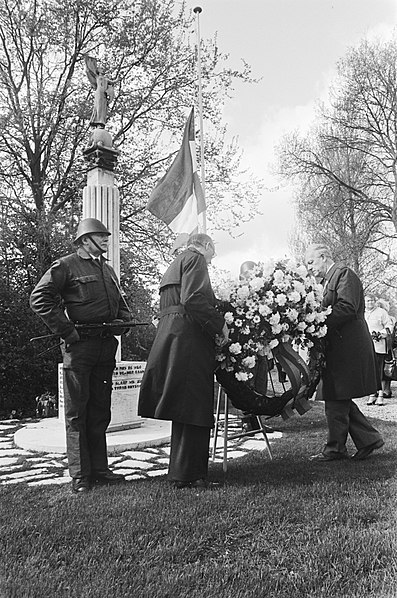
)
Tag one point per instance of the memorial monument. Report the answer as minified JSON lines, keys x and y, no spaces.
{"x":101,"y":201}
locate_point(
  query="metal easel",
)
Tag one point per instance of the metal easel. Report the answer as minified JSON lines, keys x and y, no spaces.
{"x":226,"y":437}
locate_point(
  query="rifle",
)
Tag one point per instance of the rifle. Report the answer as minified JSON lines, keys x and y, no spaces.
{"x":102,"y":326}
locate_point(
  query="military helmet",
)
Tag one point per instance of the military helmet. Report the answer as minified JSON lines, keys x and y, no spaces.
{"x":90,"y":226}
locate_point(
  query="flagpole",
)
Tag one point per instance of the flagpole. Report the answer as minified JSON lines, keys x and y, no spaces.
{"x":197,"y":10}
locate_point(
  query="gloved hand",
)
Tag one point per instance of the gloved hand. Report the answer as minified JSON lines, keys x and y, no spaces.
{"x":118,"y":331}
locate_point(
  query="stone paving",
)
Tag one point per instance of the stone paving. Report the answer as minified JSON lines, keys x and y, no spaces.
{"x":38,"y":469}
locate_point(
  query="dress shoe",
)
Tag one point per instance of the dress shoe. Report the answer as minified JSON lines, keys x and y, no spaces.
{"x":335,"y":457}
{"x":365,"y":452}
{"x":81,"y":485}
{"x":387,"y":395}
{"x":379,"y":401}
{"x":107,"y":477}
{"x":371,"y":400}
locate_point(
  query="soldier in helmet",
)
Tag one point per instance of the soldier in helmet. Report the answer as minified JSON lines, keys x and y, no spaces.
{"x":82,"y":288}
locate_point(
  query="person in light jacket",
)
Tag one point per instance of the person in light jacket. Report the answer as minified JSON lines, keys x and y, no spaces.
{"x":380,"y":326}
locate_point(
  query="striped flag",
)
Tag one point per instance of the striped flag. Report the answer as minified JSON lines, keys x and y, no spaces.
{"x":178,"y":198}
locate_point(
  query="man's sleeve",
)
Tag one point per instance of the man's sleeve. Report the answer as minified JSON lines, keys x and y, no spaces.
{"x":46,"y":300}
{"x":348,"y":297}
{"x":195,"y":288}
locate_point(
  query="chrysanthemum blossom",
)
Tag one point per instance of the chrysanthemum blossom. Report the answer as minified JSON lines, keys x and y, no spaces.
{"x":235,"y":348}
{"x":229,"y":318}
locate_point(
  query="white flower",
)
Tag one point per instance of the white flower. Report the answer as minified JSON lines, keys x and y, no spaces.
{"x":273,"y":343}
{"x":310,"y":317}
{"x":322,"y":331}
{"x":294,"y":296}
{"x":278,"y":276}
{"x":267,"y":267}
{"x":224,"y":293}
{"x":292,"y":314}
{"x":243,"y":292}
{"x":249,"y":362}
{"x":229,"y":318}
{"x":277,"y":328}
{"x":302,"y":326}
{"x":238,"y":323}
{"x":301,"y":271}
{"x":281,"y":299}
{"x":235,"y":348}
{"x":257,"y":283}
{"x":256,"y":319}
{"x":241,"y":376}
{"x":310,"y":299}
{"x":249,"y":314}
{"x":245,"y":330}
{"x":275,"y":318}
{"x":264,"y":309}
{"x":299,"y":286}
{"x":310,"y":329}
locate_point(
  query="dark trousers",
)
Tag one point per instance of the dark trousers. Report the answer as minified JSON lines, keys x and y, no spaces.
{"x":87,"y":376}
{"x":343,"y":418}
{"x":189,"y":452}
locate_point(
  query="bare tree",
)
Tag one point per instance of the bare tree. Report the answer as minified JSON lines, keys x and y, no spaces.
{"x":345,"y":168}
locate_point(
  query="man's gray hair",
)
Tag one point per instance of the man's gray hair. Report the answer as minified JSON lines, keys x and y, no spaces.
{"x":199,"y":240}
{"x":321,"y":249}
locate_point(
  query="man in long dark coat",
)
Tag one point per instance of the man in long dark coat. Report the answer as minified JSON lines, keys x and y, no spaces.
{"x":350,"y":370}
{"x":178,"y":383}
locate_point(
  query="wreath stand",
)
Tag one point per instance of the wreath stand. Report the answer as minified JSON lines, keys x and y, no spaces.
{"x":292,"y":372}
{"x":222,"y":396}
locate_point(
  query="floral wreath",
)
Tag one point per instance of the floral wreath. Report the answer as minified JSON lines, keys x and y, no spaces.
{"x":273,"y":312}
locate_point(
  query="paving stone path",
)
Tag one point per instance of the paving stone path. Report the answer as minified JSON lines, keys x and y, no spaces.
{"x":38,"y":469}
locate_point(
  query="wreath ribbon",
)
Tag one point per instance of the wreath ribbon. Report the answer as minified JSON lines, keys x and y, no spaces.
{"x":293,"y":365}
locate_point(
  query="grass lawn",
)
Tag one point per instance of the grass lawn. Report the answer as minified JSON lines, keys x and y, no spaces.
{"x":282,"y":528}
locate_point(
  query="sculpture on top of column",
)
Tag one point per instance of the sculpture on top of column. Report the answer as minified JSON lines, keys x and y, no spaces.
{"x":100,"y":151}
{"x":104,"y":91}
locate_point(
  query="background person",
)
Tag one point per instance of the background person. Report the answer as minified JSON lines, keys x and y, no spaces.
{"x":82,"y":288}
{"x":380,"y":326}
{"x":387,"y":393}
{"x":350,"y":369}
{"x":178,"y":383}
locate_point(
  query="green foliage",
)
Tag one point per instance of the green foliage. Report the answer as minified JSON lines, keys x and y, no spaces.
{"x":23,"y":374}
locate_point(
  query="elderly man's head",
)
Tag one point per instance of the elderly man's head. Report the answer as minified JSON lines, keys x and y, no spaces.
{"x":318,"y":259}
{"x":203,"y":244}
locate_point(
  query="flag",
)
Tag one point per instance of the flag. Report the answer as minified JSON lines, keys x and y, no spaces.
{"x":178,"y":198}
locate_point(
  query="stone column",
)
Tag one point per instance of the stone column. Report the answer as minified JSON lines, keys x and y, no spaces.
{"x":101,"y":196}
{"x":101,"y":200}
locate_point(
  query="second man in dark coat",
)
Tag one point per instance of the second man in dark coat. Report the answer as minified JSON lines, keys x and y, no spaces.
{"x":350,"y":370}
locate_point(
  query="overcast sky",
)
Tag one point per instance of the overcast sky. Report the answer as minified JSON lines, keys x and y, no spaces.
{"x":293,"y":47}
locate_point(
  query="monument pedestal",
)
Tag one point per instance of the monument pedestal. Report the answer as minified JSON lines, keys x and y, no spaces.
{"x":126,"y":381}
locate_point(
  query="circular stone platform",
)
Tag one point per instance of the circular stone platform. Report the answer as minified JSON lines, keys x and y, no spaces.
{"x":48,"y":436}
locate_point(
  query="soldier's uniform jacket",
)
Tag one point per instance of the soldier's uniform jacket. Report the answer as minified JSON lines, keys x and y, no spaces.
{"x":78,"y":289}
